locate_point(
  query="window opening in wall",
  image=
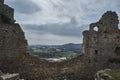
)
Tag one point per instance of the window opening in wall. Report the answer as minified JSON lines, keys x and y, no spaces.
{"x":95,"y":28}
{"x":119,"y":26}
{"x":96,"y":52}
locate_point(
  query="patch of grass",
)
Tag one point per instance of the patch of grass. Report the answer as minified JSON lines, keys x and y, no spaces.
{"x":115,"y":74}
{"x":38,"y":51}
{"x":50,"y":53}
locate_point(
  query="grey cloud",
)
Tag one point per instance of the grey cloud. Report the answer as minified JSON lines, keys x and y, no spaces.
{"x":80,"y":11}
{"x":68,"y":29}
{"x":25,"y":6}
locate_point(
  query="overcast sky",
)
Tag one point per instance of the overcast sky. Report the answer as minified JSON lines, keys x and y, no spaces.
{"x":59,"y":21}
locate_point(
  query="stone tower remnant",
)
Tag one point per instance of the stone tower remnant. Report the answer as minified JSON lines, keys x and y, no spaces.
{"x":12,"y":39}
{"x":102,"y":41}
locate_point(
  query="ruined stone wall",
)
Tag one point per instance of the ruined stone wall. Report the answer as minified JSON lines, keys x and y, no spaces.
{"x":12,"y":39}
{"x":7,"y":11}
{"x":103,"y":44}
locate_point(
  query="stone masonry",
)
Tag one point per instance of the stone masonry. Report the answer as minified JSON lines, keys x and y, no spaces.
{"x":102,"y":41}
{"x":12,"y":40}
{"x":98,"y":47}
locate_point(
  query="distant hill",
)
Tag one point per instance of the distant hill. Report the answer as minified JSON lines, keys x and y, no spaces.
{"x":72,"y":46}
{"x":54,"y":51}
{"x":69,"y":46}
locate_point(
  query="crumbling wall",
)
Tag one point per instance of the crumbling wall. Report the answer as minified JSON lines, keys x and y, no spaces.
{"x":12,"y":39}
{"x":7,"y":11}
{"x":101,"y":45}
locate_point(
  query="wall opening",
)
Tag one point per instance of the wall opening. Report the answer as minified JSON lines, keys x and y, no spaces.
{"x":95,"y":28}
{"x":119,"y":26}
{"x":117,"y":51}
{"x":96,"y":52}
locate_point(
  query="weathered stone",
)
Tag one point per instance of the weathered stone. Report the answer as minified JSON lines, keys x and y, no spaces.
{"x":104,"y":44}
{"x":7,"y":11}
{"x":8,"y":76}
{"x":98,"y":47}
{"x":11,"y":76}
{"x":107,"y":74}
{"x":12,"y":40}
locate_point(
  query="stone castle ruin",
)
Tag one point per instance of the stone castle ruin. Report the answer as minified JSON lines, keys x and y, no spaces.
{"x":103,"y":44}
{"x":99,"y":47}
{"x":12,"y":40}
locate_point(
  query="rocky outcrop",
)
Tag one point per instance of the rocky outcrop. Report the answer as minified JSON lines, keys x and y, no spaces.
{"x":8,"y":76}
{"x":12,"y":40}
{"x":107,"y":74}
